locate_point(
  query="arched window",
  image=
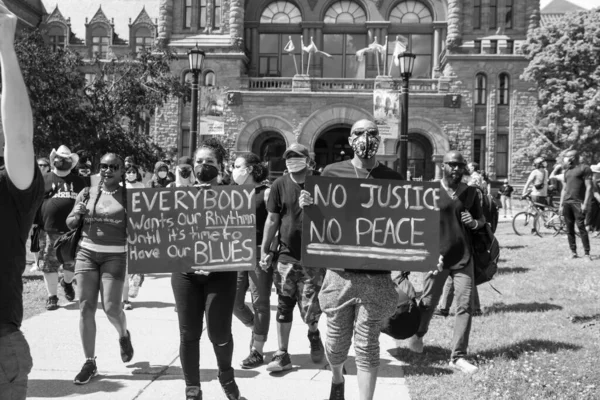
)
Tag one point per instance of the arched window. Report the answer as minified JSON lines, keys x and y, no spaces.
{"x":100,"y":42}
{"x":143,"y":39}
{"x":345,"y":12}
{"x":503,"y":88}
{"x":56,"y":35}
{"x":281,"y":12}
{"x":411,"y":12}
{"x":210,"y":79}
{"x":480,"y":89}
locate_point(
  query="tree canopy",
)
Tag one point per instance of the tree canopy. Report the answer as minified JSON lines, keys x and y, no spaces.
{"x":109,"y":113}
{"x":565,"y":64}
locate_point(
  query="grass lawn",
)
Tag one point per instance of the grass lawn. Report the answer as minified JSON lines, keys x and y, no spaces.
{"x":540,"y":339}
{"x":34,"y":293}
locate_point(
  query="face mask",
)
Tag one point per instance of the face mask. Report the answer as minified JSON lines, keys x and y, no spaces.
{"x":131,"y":177}
{"x":240,"y":175}
{"x":63,"y":165}
{"x":185,"y":173}
{"x":295,"y":165}
{"x":162,"y":174}
{"x":84,"y":172}
{"x":206,"y":172}
{"x":365,"y":146}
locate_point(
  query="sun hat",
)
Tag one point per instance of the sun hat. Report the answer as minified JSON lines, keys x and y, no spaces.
{"x":65,"y":152}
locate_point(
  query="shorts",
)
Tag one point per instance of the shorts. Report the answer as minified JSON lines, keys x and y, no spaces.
{"x":302,"y":284}
{"x":48,"y":262}
{"x":112,"y":264}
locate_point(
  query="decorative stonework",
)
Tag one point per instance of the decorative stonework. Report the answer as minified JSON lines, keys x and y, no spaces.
{"x":454,"y":37}
{"x":143,"y":18}
{"x":100,"y":17}
{"x":312,"y":4}
{"x":378,"y":3}
{"x":209,"y":17}
{"x":165,"y":24}
{"x":56,"y":16}
{"x":236,"y":20}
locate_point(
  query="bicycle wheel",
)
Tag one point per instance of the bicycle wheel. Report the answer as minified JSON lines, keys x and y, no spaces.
{"x":547,"y":223}
{"x":523,"y":223}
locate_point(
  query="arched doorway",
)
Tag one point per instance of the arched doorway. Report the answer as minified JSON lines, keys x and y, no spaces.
{"x":270,"y":146}
{"x":420,"y":152}
{"x":332,"y":146}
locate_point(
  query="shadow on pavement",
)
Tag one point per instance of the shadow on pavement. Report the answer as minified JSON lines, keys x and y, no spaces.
{"x":150,"y":304}
{"x":514,"y":351}
{"x":520,"y":307}
{"x":513,"y":247}
{"x":62,"y":388}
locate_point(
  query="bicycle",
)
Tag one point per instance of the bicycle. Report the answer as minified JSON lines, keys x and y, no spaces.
{"x":550,"y":222}
{"x":524,"y":222}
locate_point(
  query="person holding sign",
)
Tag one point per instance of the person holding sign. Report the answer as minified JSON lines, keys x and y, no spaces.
{"x":356,"y":301}
{"x":248,"y":170}
{"x":210,"y":294}
{"x":101,"y":260}
{"x":295,"y":282}
{"x":460,"y":212}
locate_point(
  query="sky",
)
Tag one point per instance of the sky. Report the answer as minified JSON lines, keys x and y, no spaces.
{"x":589,"y":4}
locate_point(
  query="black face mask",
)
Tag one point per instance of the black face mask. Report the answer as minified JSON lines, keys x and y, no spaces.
{"x":206,"y":172}
{"x":185,"y":173}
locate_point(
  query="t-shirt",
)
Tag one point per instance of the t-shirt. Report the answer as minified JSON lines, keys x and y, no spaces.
{"x":345,"y":169}
{"x":506,"y":190}
{"x":283,"y":200}
{"x":104,"y":223}
{"x":455,"y":241}
{"x":59,"y":199}
{"x":538,"y":177}
{"x":17,"y":210}
{"x":575,"y":183}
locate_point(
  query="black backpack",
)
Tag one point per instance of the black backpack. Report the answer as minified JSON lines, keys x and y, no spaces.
{"x":486,"y":249}
{"x":405,"y":322}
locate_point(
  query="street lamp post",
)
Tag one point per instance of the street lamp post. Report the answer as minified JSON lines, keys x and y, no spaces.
{"x":196,"y":60}
{"x":406,"y":64}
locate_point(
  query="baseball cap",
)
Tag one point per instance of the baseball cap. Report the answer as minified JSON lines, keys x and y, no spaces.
{"x":298,"y":149}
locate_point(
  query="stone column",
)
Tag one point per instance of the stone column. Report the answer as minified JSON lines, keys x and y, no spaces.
{"x":236,"y":19}
{"x":437,"y":46}
{"x":165,"y":21}
{"x":437,"y":160}
{"x":454,"y":38}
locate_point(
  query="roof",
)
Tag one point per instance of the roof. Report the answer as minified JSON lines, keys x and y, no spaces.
{"x":560,"y":7}
{"x":548,"y":19}
{"x":123,"y":12}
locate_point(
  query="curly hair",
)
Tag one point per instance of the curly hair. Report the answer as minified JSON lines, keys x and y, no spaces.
{"x":216,"y":147}
{"x":259,"y":170}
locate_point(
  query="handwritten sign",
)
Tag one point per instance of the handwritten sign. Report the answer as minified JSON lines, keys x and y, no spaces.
{"x":187,"y":229}
{"x":371,"y":224}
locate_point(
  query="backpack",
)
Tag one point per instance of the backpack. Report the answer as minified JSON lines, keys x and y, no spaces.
{"x":485,"y":247}
{"x":405,"y":322}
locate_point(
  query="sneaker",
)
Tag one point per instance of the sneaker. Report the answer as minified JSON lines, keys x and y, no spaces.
{"x":68,"y":288}
{"x":316,"y":347}
{"x":477,"y":313}
{"x":441,"y":312}
{"x":587,"y":257}
{"x":52,"y":303}
{"x":280,"y":362}
{"x":415,"y":344}
{"x":574,"y":255}
{"x":88,"y":371}
{"x":255,"y":359}
{"x":337,"y":391}
{"x":228,"y":384}
{"x":193,"y":393}
{"x":127,"y":305}
{"x":463,"y":365}
{"x":126,"y":347}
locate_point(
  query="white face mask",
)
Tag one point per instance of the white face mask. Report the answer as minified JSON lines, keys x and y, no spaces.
{"x":295,"y":164}
{"x":240,"y":175}
{"x":131,"y":177}
{"x":162,"y":174}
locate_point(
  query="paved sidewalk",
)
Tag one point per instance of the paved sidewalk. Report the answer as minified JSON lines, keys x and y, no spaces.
{"x":155,"y":371}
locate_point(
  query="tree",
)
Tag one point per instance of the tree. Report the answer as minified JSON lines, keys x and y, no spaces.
{"x":106,"y":115}
{"x":564,"y":63}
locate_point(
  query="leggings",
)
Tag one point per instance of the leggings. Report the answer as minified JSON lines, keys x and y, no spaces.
{"x":197,"y":296}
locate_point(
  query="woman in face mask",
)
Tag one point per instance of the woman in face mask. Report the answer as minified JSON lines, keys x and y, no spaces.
{"x":211,"y":294}
{"x":184,"y":173}
{"x":161,"y":176}
{"x":133,"y":178}
{"x":248,"y":170}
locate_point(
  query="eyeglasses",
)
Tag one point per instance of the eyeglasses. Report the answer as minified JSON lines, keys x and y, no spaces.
{"x":113,"y":167}
{"x":43,"y":165}
{"x":370,"y":131}
{"x":455,"y":164}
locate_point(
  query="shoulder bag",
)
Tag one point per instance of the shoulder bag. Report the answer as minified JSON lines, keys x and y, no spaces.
{"x":66,"y":244}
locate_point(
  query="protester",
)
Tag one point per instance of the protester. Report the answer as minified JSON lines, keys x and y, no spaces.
{"x":356,"y":302}
{"x":505,"y":192}
{"x":61,"y":189}
{"x":295,"y":283}
{"x":475,"y":178}
{"x":593,"y":217}
{"x":209,"y":294}
{"x":133,"y":177}
{"x":460,"y":213}
{"x":101,"y":260}
{"x":184,"y":173}
{"x":538,"y":180}
{"x":575,"y":201}
{"x":161,"y":177}
{"x":21,"y":193}
{"x":248,"y":170}
{"x":44,"y":165}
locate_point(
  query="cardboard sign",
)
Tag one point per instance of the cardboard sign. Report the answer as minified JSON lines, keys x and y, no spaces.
{"x":187,"y":229}
{"x":371,"y":224}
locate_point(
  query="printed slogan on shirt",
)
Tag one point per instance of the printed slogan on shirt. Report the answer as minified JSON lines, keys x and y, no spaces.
{"x":371,"y":224}
{"x":187,"y":229}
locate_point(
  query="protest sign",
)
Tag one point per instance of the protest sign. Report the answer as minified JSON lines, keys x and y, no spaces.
{"x":371,"y":224}
{"x":189,"y":228}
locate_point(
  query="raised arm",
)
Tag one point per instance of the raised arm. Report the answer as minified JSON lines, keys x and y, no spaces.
{"x":17,"y":118}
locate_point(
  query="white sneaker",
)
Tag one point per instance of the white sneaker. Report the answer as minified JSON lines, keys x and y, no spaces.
{"x":415,"y":344}
{"x":464,"y":366}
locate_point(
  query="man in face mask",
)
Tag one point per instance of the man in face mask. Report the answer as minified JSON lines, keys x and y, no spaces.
{"x":294,"y":281}
{"x":575,"y":200}
{"x":61,"y":189}
{"x":161,"y":176}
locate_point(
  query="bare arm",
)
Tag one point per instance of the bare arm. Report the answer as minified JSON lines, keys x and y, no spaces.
{"x":271,"y":226}
{"x":17,"y":118}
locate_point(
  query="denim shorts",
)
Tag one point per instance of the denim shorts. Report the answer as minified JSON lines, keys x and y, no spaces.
{"x":112,"y":264}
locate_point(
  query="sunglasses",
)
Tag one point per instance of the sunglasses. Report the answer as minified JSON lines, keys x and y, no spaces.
{"x":455,"y":164}
{"x":113,"y":167}
{"x":59,"y":158}
{"x":43,"y":165}
{"x":361,"y":131}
